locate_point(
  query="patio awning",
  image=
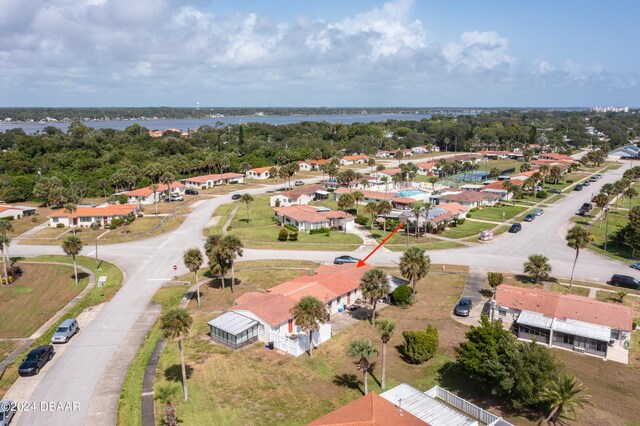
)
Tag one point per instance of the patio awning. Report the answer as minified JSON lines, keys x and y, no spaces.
{"x":583,"y":329}
{"x":232,"y":323}
{"x":321,"y":192}
{"x":534,"y":319}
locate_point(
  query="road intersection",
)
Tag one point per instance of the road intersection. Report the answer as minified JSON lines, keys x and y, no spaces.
{"x":93,"y":367}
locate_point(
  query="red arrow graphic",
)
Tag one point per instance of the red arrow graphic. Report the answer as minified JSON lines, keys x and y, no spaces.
{"x":361,"y":262}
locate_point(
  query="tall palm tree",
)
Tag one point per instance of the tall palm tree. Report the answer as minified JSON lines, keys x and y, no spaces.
{"x":374,"y":285}
{"x":414,"y":265}
{"x":193,"y":260}
{"x":564,"y":396}
{"x":167,"y":178}
{"x":577,"y":238}
{"x":69,"y":209}
{"x":72,"y":246}
{"x":228,"y":248}
{"x":384,"y":208}
{"x":175,"y":324}
{"x":357,"y":197}
{"x":601,"y":200}
{"x":537,"y":267}
{"x":416,"y":209}
{"x":433,"y":180}
{"x":4,"y":246}
{"x":630,"y":193}
{"x":386,"y":328}
{"x":371,"y":209}
{"x":308,"y":314}
{"x":273,"y":174}
{"x":363,"y":350}
{"x":246,"y":199}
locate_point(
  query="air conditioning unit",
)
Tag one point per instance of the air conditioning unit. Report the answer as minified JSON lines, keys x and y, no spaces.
{"x":578,"y":349}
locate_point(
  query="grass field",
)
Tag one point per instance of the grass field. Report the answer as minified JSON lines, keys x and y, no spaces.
{"x":617,"y":219}
{"x":23,"y":225}
{"x":467,"y":229}
{"x":495,"y":213}
{"x":7,"y":347}
{"x":438,"y":245}
{"x":32,"y":300}
{"x":222,"y":212}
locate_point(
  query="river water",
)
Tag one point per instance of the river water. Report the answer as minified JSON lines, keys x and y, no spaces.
{"x":190,"y":124}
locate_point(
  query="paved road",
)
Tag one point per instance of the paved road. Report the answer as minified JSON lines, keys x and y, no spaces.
{"x":92,"y":368}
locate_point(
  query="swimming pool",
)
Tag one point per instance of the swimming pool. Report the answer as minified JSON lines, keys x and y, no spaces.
{"x":410,"y":193}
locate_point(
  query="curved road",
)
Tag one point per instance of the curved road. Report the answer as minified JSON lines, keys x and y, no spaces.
{"x":91,"y":370}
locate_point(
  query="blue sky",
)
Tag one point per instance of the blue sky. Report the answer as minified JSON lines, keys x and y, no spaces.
{"x":319,"y":53}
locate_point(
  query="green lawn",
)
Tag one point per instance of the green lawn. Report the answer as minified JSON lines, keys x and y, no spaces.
{"x":223,"y":211}
{"x":467,"y":229}
{"x":496,"y":212}
{"x":438,"y":245}
{"x":617,"y":219}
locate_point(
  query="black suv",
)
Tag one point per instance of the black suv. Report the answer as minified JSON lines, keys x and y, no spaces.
{"x":516,"y":227}
{"x":625,"y":281}
{"x":36,"y":359}
{"x":586,"y":206}
{"x":191,"y":192}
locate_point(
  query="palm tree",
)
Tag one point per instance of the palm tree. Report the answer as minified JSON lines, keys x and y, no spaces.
{"x":69,"y":209}
{"x":246,"y":199}
{"x":384,"y":208}
{"x":416,"y":209}
{"x":357,"y":197}
{"x":4,"y":245}
{"x":432,"y":180}
{"x":165,"y":394}
{"x":228,"y":248}
{"x":564,"y":396}
{"x":601,"y":200}
{"x":630,"y":193}
{"x":363,"y":350}
{"x":371,"y":209}
{"x":374,"y":285}
{"x":273,"y":174}
{"x":537,"y":267}
{"x":167,"y":179}
{"x":414,"y":265}
{"x":193,"y":260}
{"x":386,"y":328}
{"x":577,"y":238}
{"x":95,"y":226}
{"x":308,"y":314}
{"x":72,"y":246}
{"x":176,"y":323}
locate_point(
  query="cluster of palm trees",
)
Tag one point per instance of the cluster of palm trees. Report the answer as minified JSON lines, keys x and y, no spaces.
{"x":449,"y":168}
{"x":222,"y":252}
{"x":379,"y":208}
{"x":622,"y":188}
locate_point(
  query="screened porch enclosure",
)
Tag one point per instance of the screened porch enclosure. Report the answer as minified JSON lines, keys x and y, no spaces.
{"x":234,"y":330}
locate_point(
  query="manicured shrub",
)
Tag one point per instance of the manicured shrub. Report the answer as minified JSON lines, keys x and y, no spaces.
{"x":112,"y":226}
{"x":229,"y":228}
{"x":469,"y":214}
{"x":278,"y":202}
{"x":401,"y":295}
{"x":420,"y":346}
{"x":140,"y":215}
{"x":122,"y":199}
{"x":320,"y":231}
{"x":116,"y":222}
{"x":362,"y":220}
{"x":291,"y":227}
{"x":283,"y":235}
{"x":474,"y":209}
{"x":461,"y":221}
{"x":60,"y":225}
{"x":542,"y":194}
{"x":293,"y":236}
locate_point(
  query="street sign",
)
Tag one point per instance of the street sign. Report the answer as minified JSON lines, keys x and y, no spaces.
{"x":175,"y":267}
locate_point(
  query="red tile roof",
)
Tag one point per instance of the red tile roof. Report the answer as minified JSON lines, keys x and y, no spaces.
{"x":454,"y":208}
{"x":214,"y":177}
{"x":553,"y":156}
{"x":391,"y":172}
{"x":368,"y":410}
{"x":107,"y":211}
{"x":145,"y":192}
{"x":426,"y":166}
{"x":375,"y":195}
{"x":273,"y":308}
{"x":565,"y":306}
{"x":294,"y":194}
{"x":404,"y":200}
{"x":310,"y":214}
{"x":261,"y":170}
{"x":464,"y":196}
{"x":355,"y":157}
{"x":315,"y":162}
{"x":500,"y":184}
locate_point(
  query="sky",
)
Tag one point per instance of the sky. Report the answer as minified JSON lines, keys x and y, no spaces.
{"x":305,"y":53}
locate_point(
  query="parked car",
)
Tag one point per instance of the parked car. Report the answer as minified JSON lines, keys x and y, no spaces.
{"x":593,"y":179}
{"x":586,"y":183}
{"x":463,"y":308}
{"x":345,"y":259}
{"x":598,"y":175}
{"x":236,"y":196}
{"x":529,"y":218}
{"x":582,"y":212}
{"x":36,"y":359}
{"x":538,"y":212}
{"x":587,"y":206}
{"x":7,"y":411}
{"x":516,"y":227}
{"x":625,"y":281}
{"x":635,"y":265}
{"x":191,"y":192}
{"x":65,"y":331}
{"x":176,"y":197}
{"x":298,"y":183}
{"x":555,"y":191}
{"x":538,"y":188}
{"x":577,"y":188}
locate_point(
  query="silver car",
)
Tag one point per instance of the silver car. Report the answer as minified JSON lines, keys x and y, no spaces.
{"x":65,"y":331}
{"x":7,"y":411}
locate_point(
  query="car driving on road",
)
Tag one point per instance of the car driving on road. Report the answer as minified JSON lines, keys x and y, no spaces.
{"x":36,"y":359}
{"x":236,"y":196}
{"x":345,"y":259}
{"x":577,"y":188}
{"x":463,"y":308}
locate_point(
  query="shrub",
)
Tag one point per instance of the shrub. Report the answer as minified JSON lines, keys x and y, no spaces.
{"x":461,"y":221}
{"x":362,"y":220}
{"x":569,"y":181}
{"x":229,"y":228}
{"x":401,"y":295}
{"x":469,"y":214}
{"x":293,"y":236}
{"x":542,"y":194}
{"x":116,"y":222}
{"x":60,"y":225}
{"x":320,"y":231}
{"x":113,"y":226}
{"x":203,"y":187}
{"x":277,"y":202}
{"x":475,"y":209}
{"x":122,"y":199}
{"x":283,"y":235}
{"x":420,"y":346}
{"x":495,"y":278}
{"x":140,"y":215}
{"x":291,"y":227}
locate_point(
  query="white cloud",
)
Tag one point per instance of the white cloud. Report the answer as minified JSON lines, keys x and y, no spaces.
{"x":478,"y":51}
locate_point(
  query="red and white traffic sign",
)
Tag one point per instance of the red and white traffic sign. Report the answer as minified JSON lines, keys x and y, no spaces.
{"x":175,"y":267}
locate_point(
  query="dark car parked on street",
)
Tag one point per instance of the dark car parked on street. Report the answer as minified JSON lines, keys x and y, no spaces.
{"x":236,"y":196}
{"x":345,"y":259}
{"x":625,"y":281}
{"x":529,"y":218}
{"x":36,"y":359}
{"x":577,"y":188}
{"x":191,"y":192}
{"x":555,"y":191}
{"x":516,"y":227}
{"x":463,"y":308}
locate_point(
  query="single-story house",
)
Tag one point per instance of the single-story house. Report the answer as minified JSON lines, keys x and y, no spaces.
{"x":371,"y":410}
{"x":427,"y":169}
{"x":368,"y":195}
{"x":267,"y":316}
{"x":469,"y":158}
{"x":423,"y":149}
{"x":388,"y":173}
{"x":16,"y":212}
{"x":209,"y":181}
{"x":402,"y":203}
{"x":469,"y":198}
{"x":383,"y":154}
{"x":627,"y":151}
{"x":577,"y":323}
{"x":148,"y":196}
{"x":300,"y":196}
{"x":349,"y":160}
{"x":85,"y":216}
{"x":498,"y":188}
{"x":306,"y":218}
{"x":312,"y":165}
{"x":554,"y":156}
{"x":260,"y":173}
{"x":495,"y":155}
{"x":456,"y":209}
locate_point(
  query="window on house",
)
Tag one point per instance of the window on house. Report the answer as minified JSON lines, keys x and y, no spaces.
{"x":56,"y":220}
